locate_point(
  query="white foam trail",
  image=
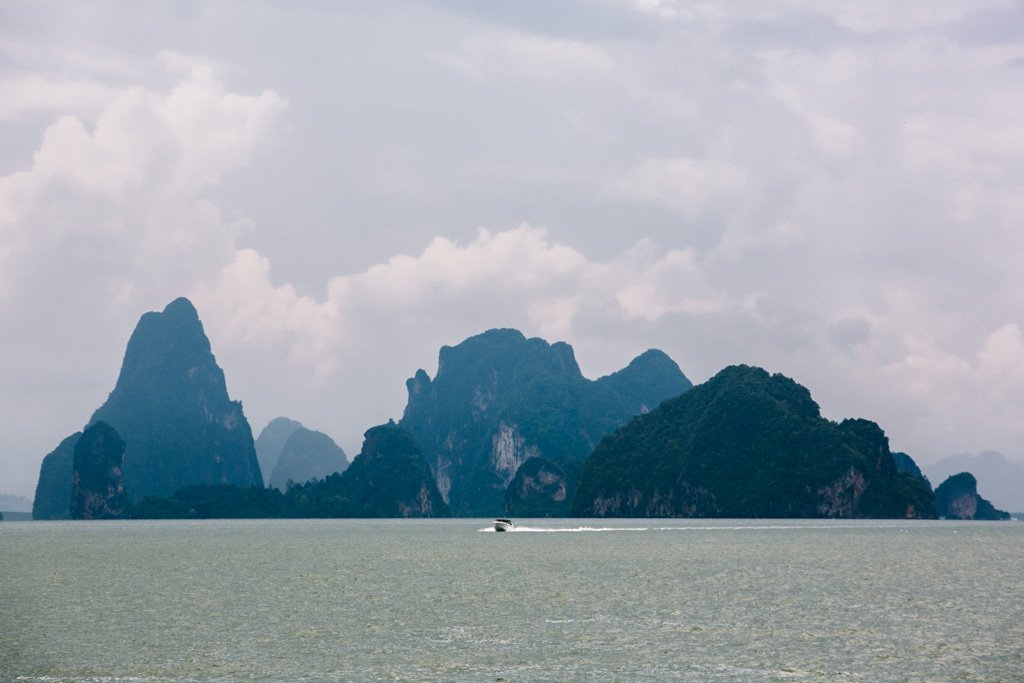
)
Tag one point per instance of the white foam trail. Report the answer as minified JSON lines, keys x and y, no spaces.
{"x":564,"y":530}
{"x":578,"y":529}
{"x":735,"y":527}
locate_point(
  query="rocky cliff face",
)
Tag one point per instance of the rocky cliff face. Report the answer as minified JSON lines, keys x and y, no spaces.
{"x":171,"y":407}
{"x":53,"y":491}
{"x":957,"y":498}
{"x":999,"y":476}
{"x":389,"y":478}
{"x":270,"y":443}
{"x":500,"y":399}
{"x":747,"y":444}
{"x":307,"y":455}
{"x":97,"y":480}
{"x":542,"y":488}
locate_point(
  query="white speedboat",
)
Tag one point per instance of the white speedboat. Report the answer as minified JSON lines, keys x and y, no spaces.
{"x":503,"y":524}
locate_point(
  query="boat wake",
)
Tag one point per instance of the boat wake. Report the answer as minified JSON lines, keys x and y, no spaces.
{"x":717,"y":527}
{"x":563,"y":530}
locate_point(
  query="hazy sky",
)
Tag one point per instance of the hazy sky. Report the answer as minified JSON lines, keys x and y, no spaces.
{"x":830,"y":190}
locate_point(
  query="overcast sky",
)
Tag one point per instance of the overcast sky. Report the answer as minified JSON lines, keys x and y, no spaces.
{"x":830,"y":190}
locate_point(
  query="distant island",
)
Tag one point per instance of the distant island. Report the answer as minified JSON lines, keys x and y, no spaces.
{"x":11,"y":503}
{"x":307,"y":455}
{"x":957,"y":498}
{"x":1001,"y":477}
{"x":509,"y":426}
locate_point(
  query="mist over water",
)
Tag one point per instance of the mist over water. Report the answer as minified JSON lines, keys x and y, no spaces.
{"x":356,"y":600}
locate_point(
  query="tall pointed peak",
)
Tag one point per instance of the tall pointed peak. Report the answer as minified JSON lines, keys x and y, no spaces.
{"x":171,"y":406}
{"x":171,"y":343}
{"x":181,"y":308}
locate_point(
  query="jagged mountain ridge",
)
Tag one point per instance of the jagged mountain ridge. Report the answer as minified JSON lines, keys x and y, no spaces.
{"x":54,"y":488}
{"x":499,"y":399}
{"x":747,"y":444}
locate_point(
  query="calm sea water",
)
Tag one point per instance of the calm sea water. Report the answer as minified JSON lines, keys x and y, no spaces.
{"x":317,"y":600}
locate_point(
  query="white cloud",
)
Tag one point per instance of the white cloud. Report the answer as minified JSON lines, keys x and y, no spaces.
{"x":1001,"y":358}
{"x":32,"y":93}
{"x":490,"y":53}
{"x":687,"y":186}
{"x":245,"y":309}
{"x":843,"y":205}
{"x":110,"y":220}
{"x":131,"y":184}
{"x":813,"y":87}
{"x":521,"y":258}
{"x":374,"y":328}
{"x":674,"y":283}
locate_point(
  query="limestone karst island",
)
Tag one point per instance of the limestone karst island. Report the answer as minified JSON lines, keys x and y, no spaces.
{"x":508,"y":426}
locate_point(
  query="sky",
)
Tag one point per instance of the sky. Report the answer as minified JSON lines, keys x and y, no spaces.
{"x":829,"y":190}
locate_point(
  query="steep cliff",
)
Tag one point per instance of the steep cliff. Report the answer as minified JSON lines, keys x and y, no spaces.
{"x":957,"y":498}
{"x":97,"y":481}
{"x":542,"y":488}
{"x":500,"y":399}
{"x":171,"y":407}
{"x":53,"y":491}
{"x":307,"y":455}
{"x":999,"y":476}
{"x":747,"y":444}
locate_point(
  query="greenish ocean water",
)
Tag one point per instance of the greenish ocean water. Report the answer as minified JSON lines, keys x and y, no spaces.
{"x":562,"y":600}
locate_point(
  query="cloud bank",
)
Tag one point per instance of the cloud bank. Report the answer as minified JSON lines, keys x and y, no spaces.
{"x":829,"y":192}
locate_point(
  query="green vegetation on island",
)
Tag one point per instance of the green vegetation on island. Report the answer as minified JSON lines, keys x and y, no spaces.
{"x":508,"y":426}
{"x":1000,"y":477}
{"x":747,"y":444}
{"x":97,"y":480}
{"x":389,"y":478}
{"x":957,"y":498}
{"x":542,"y":488}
